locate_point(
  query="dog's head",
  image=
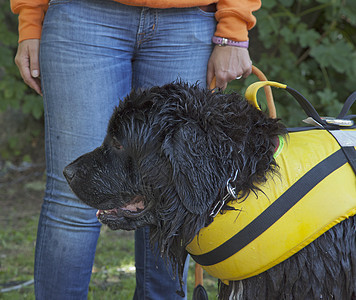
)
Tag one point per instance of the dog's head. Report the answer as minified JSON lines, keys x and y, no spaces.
{"x":167,"y":156}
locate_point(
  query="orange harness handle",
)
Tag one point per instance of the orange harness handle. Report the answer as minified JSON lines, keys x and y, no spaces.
{"x":198,"y":275}
{"x":267,"y":88}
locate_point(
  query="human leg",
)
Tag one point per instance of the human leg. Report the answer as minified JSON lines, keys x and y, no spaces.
{"x":173,"y":44}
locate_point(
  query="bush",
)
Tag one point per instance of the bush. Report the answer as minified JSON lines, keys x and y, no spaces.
{"x":310,"y":46}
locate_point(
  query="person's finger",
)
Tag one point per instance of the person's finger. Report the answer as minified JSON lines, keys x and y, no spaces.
{"x":222,"y":79}
{"x":247,"y":72}
{"x":36,"y":85}
{"x":34,"y":62}
{"x":210,"y":75}
{"x":27,"y":77}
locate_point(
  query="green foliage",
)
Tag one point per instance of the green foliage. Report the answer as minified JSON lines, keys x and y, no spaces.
{"x":310,"y":46}
{"x":13,"y":92}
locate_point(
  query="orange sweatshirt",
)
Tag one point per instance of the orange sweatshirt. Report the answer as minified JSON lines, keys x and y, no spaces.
{"x":234,"y":16}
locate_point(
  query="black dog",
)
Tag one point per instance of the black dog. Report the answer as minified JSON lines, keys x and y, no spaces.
{"x":165,"y":161}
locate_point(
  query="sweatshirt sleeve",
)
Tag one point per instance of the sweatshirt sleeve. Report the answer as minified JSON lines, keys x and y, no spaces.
{"x":235,"y":18}
{"x":31,"y":14}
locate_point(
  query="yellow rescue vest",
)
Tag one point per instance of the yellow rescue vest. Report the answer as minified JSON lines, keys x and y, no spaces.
{"x":270,"y":226}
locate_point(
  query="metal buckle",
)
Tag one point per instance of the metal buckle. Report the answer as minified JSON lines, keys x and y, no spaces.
{"x":224,"y":41}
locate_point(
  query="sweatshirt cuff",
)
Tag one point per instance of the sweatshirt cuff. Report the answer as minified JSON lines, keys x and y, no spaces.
{"x":30,"y":23}
{"x":230,"y":26}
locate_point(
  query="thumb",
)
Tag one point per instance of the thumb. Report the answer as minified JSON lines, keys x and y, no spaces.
{"x":34,"y":62}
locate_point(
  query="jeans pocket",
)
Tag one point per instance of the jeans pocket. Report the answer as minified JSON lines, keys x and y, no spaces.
{"x":54,"y":2}
{"x":204,"y":12}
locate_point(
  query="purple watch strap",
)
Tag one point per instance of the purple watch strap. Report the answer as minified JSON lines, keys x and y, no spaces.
{"x":226,"y":42}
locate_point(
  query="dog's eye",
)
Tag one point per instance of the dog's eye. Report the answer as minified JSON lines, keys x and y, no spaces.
{"x":117,"y":144}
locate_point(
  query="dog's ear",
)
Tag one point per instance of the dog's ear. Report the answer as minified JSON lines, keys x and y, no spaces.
{"x":195,"y":173}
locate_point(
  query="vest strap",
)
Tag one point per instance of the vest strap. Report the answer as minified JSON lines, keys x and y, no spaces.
{"x":350,"y":153}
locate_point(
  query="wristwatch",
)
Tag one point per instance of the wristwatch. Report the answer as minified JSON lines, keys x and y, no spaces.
{"x":226,"y":42}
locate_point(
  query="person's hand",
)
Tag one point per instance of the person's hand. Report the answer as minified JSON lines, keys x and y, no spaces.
{"x":227,"y":63}
{"x":27,"y":60}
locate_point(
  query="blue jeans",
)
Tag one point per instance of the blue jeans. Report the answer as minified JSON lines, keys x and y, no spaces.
{"x":93,"y":52}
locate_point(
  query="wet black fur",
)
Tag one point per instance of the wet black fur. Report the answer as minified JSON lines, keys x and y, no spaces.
{"x":175,"y":147}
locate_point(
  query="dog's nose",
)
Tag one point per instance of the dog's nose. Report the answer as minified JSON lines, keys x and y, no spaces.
{"x":69,"y":172}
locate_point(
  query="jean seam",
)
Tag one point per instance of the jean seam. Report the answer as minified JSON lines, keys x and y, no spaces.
{"x":152,"y":30}
{"x":146,"y":276}
{"x":44,"y":210}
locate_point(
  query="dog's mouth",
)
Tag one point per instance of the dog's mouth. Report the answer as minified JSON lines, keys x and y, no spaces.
{"x":134,"y":209}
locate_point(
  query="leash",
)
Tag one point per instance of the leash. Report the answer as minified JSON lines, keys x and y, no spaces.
{"x":199,"y":292}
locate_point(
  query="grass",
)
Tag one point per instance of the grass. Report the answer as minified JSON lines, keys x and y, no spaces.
{"x":113,"y":272}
